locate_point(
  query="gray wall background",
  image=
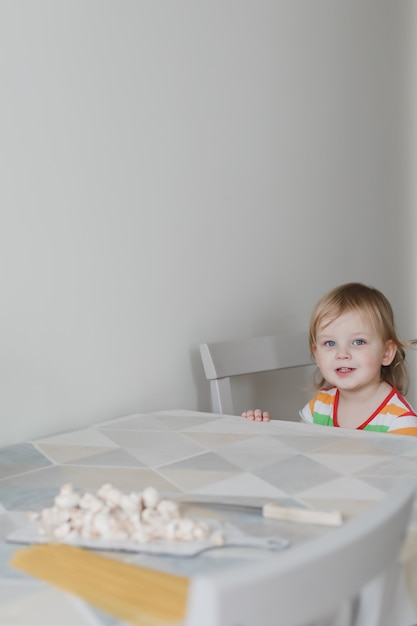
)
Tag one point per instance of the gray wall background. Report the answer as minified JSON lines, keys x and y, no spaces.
{"x":175,"y":172}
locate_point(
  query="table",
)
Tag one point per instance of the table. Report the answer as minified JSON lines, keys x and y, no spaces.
{"x":204,"y":456}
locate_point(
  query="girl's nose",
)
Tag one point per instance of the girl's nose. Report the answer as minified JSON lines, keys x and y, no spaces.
{"x":343,"y":353}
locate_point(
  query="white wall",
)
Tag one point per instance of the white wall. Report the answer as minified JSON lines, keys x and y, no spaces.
{"x":174,"y":172}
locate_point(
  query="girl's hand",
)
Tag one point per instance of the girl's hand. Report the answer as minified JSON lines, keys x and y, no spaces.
{"x":257,"y":415}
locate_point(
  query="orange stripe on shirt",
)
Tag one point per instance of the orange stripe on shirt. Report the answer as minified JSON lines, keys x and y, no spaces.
{"x":412,"y":430}
{"x":394,"y":409}
{"x":325,"y":397}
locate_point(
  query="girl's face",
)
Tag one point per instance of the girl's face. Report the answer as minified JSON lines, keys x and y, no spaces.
{"x":350,"y":353}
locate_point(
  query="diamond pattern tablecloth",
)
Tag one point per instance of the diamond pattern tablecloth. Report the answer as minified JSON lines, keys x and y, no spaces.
{"x":203,"y":456}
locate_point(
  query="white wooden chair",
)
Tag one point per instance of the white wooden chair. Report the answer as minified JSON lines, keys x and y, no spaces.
{"x":226,"y":359}
{"x":353,"y":567}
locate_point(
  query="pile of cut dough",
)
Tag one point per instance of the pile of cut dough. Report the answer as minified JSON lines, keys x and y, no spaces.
{"x":110,"y":514}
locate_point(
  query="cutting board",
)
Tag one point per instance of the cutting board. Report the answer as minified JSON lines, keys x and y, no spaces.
{"x":232,"y":537}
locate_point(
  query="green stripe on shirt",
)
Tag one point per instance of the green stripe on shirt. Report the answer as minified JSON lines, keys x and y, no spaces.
{"x":323,"y":420}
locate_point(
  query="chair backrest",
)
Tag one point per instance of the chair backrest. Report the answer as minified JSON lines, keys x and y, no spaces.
{"x":225,"y":359}
{"x":353,"y":567}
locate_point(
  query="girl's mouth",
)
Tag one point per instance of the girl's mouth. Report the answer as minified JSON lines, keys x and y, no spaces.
{"x":344,"y":370}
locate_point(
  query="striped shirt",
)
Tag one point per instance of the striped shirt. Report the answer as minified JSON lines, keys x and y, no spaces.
{"x":394,"y":414}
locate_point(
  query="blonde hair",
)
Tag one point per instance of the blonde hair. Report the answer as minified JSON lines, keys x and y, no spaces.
{"x":371,"y":303}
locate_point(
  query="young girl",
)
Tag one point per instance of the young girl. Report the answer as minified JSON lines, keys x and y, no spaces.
{"x":361,"y":365}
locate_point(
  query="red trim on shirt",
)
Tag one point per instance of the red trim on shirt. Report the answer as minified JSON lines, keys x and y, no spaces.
{"x":409,"y":407}
{"x":374,"y":414}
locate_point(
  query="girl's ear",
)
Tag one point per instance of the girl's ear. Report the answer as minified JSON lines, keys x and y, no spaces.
{"x":389,"y":352}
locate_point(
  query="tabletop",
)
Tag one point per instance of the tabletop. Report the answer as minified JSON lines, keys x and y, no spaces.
{"x":198,"y":456}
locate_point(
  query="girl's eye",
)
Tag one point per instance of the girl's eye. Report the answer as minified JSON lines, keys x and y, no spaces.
{"x":330,"y":343}
{"x":359,"y":342}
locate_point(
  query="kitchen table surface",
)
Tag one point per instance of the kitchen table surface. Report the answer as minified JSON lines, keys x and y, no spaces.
{"x":188,"y":455}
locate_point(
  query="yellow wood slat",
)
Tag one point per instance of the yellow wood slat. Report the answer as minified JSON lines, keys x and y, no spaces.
{"x":139,"y":595}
